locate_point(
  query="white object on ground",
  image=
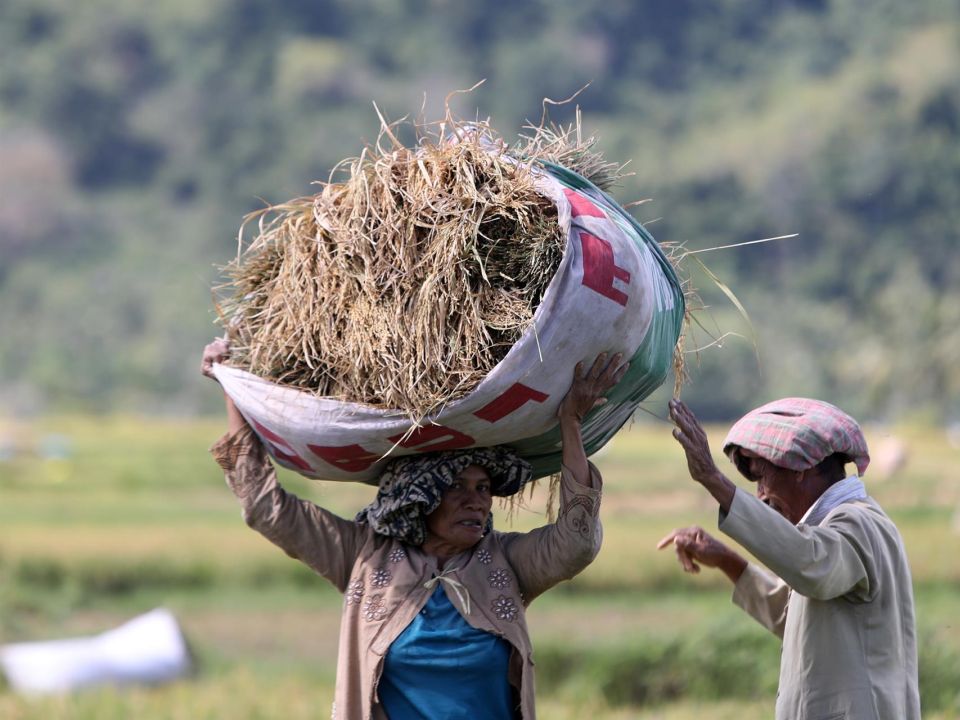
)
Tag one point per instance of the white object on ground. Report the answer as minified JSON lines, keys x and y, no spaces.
{"x":148,"y":649}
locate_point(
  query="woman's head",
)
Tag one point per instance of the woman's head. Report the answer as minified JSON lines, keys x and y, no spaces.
{"x":461,"y":519}
{"x":446,"y":487}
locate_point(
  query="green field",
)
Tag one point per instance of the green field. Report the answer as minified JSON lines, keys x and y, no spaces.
{"x":136,"y":515}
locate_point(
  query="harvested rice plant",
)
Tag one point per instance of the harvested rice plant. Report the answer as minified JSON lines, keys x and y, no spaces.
{"x":404,"y":283}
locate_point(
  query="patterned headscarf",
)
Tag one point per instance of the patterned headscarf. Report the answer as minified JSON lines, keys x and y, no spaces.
{"x":797,"y":434}
{"x":411,"y":487}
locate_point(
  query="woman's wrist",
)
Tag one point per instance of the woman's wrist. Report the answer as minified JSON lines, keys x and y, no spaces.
{"x":570,"y":431}
{"x":235,"y":420}
{"x":570,"y":419}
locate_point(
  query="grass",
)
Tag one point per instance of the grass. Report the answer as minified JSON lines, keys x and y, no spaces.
{"x":137,"y":516}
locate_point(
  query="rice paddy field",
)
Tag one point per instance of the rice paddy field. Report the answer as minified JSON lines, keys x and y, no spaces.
{"x":102,"y":519}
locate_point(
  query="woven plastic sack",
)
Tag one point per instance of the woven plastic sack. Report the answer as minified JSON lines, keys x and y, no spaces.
{"x":614,"y":291}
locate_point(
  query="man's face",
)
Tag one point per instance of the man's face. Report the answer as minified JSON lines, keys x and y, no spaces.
{"x":780,"y":488}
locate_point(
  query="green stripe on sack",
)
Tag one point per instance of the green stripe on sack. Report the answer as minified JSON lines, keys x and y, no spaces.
{"x":648,"y":366}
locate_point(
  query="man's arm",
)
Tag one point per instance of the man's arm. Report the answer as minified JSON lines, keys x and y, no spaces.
{"x":822,"y":562}
{"x":695,"y":545}
{"x":758,"y":593}
{"x":763,"y":597}
{"x":703,"y":469}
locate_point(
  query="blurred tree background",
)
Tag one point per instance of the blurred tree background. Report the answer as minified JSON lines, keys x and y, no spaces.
{"x":133,"y":138}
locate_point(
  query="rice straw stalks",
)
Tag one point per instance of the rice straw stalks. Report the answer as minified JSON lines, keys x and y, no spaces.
{"x":404,"y":284}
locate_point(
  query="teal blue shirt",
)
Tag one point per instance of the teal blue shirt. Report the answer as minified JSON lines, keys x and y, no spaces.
{"x":442,"y":667}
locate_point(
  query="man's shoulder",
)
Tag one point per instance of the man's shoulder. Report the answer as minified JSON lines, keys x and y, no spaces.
{"x":865,"y":513}
{"x":866,"y":508}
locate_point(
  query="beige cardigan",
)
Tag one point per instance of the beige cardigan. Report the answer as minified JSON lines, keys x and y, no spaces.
{"x":843,"y":606}
{"x":386,"y":582}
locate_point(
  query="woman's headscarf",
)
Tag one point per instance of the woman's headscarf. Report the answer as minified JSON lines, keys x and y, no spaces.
{"x":412,"y":486}
{"x":797,"y":434}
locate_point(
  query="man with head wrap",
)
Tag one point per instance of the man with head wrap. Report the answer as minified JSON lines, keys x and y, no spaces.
{"x":841,"y":596}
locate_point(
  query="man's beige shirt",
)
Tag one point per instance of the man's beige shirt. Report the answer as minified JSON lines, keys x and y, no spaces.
{"x":843,"y":603}
{"x":386,"y":582}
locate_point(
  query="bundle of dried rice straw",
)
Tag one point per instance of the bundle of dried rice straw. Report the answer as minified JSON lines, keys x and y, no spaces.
{"x":405,"y":284}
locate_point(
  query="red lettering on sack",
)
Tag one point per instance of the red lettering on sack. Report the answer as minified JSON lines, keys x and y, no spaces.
{"x":349,"y":458}
{"x":430,"y":438}
{"x":600,"y":269}
{"x":281,"y":448}
{"x":580,"y":205}
{"x":516,"y":396}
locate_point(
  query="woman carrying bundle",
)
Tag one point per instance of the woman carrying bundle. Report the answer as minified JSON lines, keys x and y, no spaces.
{"x":433,"y":620}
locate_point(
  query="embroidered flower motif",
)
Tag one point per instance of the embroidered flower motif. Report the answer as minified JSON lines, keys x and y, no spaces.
{"x":484,"y":556}
{"x":374,"y":609}
{"x":499,"y":579}
{"x":380,"y":578}
{"x":354,"y":592}
{"x":505,"y":608}
{"x":398,"y":555}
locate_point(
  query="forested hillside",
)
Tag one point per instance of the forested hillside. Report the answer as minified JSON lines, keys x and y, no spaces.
{"x":134,"y":136}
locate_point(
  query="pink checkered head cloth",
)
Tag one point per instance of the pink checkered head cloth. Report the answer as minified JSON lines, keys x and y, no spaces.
{"x":798,"y":433}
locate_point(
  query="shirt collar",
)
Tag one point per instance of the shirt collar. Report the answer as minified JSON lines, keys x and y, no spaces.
{"x":847,"y":490}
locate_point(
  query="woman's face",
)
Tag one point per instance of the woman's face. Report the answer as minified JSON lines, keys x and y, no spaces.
{"x":459,"y":520}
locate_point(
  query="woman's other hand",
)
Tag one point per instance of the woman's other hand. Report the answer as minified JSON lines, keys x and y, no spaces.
{"x":217,"y":351}
{"x":585,"y":393}
{"x":588,"y":388}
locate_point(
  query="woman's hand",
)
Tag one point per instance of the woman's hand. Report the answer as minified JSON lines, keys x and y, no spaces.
{"x":217,"y":351}
{"x":585,"y":393}
{"x":695,"y":545}
{"x":588,"y":389}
